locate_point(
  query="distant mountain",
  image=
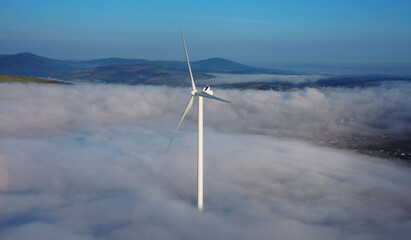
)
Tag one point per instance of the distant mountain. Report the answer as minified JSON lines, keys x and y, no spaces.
{"x":221,"y":65}
{"x":217,"y":65}
{"x":28,"y":64}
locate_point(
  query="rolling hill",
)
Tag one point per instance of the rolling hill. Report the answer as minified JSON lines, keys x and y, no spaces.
{"x":27,"y":64}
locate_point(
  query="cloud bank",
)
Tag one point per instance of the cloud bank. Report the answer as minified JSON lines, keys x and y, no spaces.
{"x":88,"y":162}
{"x":313,"y":114}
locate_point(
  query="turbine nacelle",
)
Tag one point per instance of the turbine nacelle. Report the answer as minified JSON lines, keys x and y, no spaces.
{"x":208,"y":90}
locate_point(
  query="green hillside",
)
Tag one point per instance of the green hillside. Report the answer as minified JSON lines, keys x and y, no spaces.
{"x":21,"y":79}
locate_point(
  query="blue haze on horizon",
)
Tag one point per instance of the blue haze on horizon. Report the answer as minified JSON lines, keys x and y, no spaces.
{"x":263,"y":32}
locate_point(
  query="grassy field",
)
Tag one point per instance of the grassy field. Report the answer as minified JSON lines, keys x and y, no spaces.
{"x":21,"y":79}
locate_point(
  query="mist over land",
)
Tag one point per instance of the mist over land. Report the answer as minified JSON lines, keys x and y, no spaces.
{"x":88,"y":162}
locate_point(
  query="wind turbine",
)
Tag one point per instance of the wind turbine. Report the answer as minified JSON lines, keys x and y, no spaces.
{"x":207,"y":93}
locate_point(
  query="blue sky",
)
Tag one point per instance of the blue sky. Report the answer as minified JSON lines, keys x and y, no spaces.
{"x":315,"y":31}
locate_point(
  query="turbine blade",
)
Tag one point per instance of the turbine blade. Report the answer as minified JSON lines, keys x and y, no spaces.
{"x":190,"y":103}
{"x":206,"y":95}
{"x":188,"y":62}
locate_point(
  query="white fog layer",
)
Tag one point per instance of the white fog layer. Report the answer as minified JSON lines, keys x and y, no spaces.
{"x":90,"y":162}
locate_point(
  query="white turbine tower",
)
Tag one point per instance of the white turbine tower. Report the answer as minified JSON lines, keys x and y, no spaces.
{"x":207,"y":93}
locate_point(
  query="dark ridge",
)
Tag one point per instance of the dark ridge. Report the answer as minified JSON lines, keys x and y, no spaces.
{"x":28,"y":64}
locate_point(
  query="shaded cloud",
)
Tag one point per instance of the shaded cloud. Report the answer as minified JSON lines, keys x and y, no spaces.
{"x":88,"y":162}
{"x":310,"y":114}
{"x":319,"y":114}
